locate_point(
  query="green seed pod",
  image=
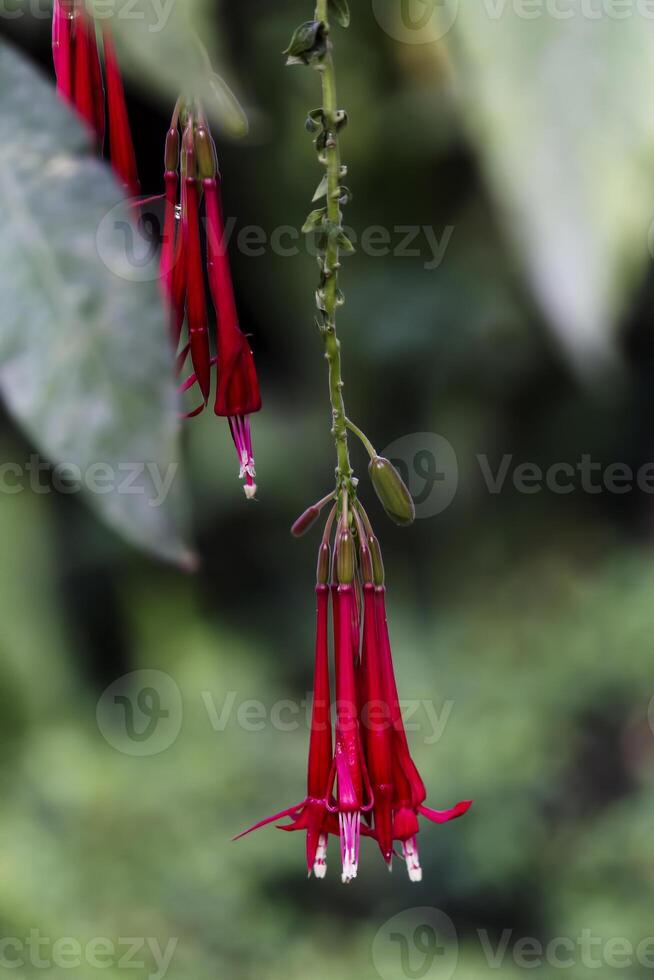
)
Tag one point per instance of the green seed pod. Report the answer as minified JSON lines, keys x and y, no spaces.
{"x":345,"y":558}
{"x":324,"y":562}
{"x":171,"y":155}
{"x":306,"y":521}
{"x":392,"y":492}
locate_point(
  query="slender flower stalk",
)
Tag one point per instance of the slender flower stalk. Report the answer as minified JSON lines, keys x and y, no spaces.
{"x":374,"y":787}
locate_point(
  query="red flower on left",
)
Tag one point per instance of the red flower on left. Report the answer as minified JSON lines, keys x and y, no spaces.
{"x":88,"y":76}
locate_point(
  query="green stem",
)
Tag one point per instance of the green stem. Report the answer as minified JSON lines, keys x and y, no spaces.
{"x":332,"y":264}
{"x":372,"y":452}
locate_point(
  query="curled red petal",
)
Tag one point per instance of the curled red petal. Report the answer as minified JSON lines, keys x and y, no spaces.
{"x":443,"y":816}
{"x":290,"y":811}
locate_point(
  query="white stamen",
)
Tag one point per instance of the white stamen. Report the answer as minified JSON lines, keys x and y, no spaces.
{"x":320,"y":863}
{"x":350,"y":826}
{"x":250,"y":490}
{"x":411,"y":856}
{"x":247,"y":465}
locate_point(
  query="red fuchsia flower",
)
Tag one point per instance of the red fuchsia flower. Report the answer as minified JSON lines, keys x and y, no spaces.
{"x":314,"y":814}
{"x":183,"y":281}
{"x":78,"y":69}
{"x":349,"y":763}
{"x":371,"y":774}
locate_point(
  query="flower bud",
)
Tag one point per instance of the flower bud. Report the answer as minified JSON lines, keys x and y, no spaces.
{"x":379,"y":572}
{"x":365,"y":558}
{"x":171,"y":155}
{"x":206,"y":153}
{"x":324,"y":562}
{"x":306,"y":521}
{"x":345,"y":558}
{"x":392,"y":491}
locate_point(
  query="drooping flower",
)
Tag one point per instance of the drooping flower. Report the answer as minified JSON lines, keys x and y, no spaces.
{"x":184,"y":285}
{"x":314,"y":814}
{"x":373,"y":786}
{"x":78,"y":59}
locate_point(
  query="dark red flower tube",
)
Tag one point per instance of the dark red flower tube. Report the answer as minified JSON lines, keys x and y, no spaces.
{"x":121,"y":146}
{"x":196,"y":307}
{"x":376,"y":727}
{"x":238,"y":386}
{"x":64,"y":15}
{"x":348,"y":760}
{"x":173,"y":276}
{"x":86,"y":76}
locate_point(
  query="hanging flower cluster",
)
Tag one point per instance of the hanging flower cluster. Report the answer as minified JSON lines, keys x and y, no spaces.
{"x":362,"y":779}
{"x":361,"y":776}
{"x":183,"y":278}
{"x":85,"y":62}
{"x":80,"y":51}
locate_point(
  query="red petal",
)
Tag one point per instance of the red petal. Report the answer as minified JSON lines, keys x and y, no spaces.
{"x":276,"y":816}
{"x":442,"y":816}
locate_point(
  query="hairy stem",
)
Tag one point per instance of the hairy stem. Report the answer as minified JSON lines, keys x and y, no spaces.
{"x":332,"y":264}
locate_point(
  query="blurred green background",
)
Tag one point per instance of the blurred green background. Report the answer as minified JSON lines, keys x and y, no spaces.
{"x":529,"y":615}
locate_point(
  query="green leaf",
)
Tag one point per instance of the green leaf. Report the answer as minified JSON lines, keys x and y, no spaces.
{"x":315,"y":120}
{"x":341,"y":11}
{"x":344,"y":243}
{"x":85,"y":365}
{"x":555,"y":109}
{"x":321,"y":189}
{"x":173,"y":48}
{"x":314,"y":220}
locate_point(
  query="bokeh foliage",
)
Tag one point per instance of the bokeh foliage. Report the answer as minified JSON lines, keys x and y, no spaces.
{"x":531,"y":613}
